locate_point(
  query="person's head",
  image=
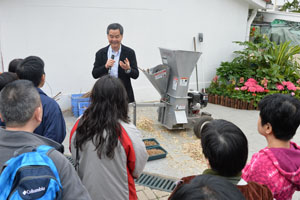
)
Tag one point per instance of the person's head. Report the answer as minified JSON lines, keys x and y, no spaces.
{"x":225,"y":147}
{"x":208,"y":187}
{"x":7,"y":77}
{"x":114,"y":35}
{"x":32,"y":69}
{"x":280,"y":115}
{"x":12,"y":67}
{"x":20,"y":104}
{"x":108,"y":106}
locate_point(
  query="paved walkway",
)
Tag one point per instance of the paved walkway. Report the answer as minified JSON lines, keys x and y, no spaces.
{"x":145,"y":193}
{"x":184,"y":152}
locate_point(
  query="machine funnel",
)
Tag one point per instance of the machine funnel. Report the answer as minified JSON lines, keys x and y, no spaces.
{"x":182,"y":64}
{"x":159,"y":77}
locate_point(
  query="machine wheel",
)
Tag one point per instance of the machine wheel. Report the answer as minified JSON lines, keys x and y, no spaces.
{"x":199,"y":123}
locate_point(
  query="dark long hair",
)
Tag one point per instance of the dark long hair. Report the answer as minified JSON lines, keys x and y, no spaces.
{"x":109,"y":106}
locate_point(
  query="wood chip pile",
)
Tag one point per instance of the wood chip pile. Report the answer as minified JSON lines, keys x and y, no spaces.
{"x":153,"y":152}
{"x":145,"y":124}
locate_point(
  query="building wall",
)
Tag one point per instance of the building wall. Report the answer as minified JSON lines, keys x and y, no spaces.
{"x":66,"y":35}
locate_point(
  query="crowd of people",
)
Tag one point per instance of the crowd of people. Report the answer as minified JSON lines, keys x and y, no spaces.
{"x":109,"y":152}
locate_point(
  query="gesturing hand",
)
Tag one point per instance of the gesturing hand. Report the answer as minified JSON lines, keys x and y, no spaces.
{"x":125,"y":65}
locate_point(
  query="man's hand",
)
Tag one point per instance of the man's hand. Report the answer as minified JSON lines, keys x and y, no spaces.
{"x":109,"y":63}
{"x":125,"y":65}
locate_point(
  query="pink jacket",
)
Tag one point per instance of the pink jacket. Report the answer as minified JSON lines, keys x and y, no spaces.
{"x":277,"y":168}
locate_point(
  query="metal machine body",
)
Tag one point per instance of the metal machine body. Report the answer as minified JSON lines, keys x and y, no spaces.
{"x":171,"y":79}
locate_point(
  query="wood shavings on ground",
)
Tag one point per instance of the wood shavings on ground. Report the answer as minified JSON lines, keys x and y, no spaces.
{"x":145,"y":124}
{"x":194,"y":150}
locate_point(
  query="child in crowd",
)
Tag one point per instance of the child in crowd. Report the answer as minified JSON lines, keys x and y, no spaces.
{"x":225,"y":147}
{"x":207,"y":187}
{"x":277,"y":165}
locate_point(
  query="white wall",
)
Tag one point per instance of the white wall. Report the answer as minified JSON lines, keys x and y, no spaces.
{"x":67,"y":33}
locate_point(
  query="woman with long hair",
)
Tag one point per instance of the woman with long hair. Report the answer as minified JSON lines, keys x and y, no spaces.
{"x":108,"y":149}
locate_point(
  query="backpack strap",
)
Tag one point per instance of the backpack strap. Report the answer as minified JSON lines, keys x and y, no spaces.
{"x":18,"y":152}
{"x":79,"y":121}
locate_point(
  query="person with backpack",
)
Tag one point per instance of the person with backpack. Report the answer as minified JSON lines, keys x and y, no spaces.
{"x":32,"y":166}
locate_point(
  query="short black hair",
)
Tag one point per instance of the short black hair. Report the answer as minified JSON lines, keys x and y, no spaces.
{"x":208,"y":187}
{"x":282,"y":112}
{"x":225,"y":146}
{"x":7,"y":77}
{"x":115,"y":26}
{"x":32,"y":69}
{"x":12,"y":67}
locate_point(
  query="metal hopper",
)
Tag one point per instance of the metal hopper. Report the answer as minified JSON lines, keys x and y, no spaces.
{"x":182,"y":64}
{"x":172,"y":81}
{"x":159,"y":77}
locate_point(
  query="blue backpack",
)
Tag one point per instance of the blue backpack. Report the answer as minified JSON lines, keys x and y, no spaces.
{"x":31,"y":175}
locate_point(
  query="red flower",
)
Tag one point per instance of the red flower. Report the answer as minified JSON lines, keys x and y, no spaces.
{"x":252,"y":89}
{"x":279,"y":86}
{"x":253,"y":29}
{"x":266,"y":90}
{"x":254,"y":94}
{"x":244,"y":88}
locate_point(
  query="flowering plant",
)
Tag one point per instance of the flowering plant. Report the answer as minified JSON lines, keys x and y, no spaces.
{"x":262,"y":67}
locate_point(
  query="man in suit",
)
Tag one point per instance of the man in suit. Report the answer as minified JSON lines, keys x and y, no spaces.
{"x":117,"y":60}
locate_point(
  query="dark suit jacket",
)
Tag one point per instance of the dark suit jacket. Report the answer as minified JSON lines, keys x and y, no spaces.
{"x":126,"y":52}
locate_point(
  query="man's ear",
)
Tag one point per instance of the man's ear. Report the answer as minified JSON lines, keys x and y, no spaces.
{"x":43,"y":79}
{"x":38,"y":114}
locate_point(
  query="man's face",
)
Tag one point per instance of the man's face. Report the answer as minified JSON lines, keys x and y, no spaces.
{"x":114,"y":38}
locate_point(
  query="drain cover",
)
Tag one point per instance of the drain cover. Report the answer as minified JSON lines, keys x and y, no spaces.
{"x":156,"y":182}
{"x":148,"y":180}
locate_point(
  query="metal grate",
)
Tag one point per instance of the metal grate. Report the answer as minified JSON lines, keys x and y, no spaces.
{"x":156,"y":182}
{"x":148,"y":180}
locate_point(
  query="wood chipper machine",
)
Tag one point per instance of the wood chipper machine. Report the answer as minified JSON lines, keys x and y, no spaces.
{"x":179,"y":107}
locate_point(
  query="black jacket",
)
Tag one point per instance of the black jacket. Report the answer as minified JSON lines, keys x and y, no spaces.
{"x":126,"y":52}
